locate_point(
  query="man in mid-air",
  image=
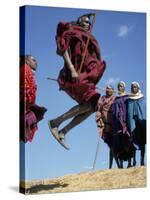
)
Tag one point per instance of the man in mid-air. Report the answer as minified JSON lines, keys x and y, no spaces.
{"x":83,"y":68}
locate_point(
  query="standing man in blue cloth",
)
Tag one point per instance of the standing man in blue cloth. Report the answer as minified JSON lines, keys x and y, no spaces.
{"x":136,"y":118}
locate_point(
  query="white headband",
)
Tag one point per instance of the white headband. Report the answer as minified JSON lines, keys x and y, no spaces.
{"x":135,"y":83}
{"x":122,"y":82}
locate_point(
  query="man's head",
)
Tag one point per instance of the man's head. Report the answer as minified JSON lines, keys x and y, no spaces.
{"x":31,"y":61}
{"x":109,"y":90}
{"x":135,"y":87}
{"x":84,"y":21}
{"x":121,"y":87}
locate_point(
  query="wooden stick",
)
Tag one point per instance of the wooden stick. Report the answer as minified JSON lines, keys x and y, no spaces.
{"x":87,"y":43}
{"x":96,"y":154}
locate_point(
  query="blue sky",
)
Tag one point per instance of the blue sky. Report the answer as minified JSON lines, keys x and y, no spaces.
{"x":122,"y":40}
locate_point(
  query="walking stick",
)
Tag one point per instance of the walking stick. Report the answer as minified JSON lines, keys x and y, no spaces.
{"x":96,"y":154}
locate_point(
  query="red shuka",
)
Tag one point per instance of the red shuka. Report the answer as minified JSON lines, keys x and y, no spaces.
{"x":74,"y":38}
{"x":27,"y":86}
{"x":28,"y":121}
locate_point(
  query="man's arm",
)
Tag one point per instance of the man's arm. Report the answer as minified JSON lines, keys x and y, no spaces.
{"x":99,"y":120}
{"x":70,"y":66}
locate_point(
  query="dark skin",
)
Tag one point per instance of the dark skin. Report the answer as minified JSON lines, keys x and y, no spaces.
{"x":134,"y":88}
{"x":31,"y":61}
{"x":109,"y":91}
{"x":121,"y":88}
{"x":85,"y":22}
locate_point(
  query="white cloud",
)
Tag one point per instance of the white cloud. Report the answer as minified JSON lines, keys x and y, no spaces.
{"x":123,"y":31}
{"x":112,"y":81}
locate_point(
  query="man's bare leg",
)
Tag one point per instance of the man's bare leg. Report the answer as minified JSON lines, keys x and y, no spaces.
{"x":76,"y":110}
{"x":75,"y":121}
{"x":79,"y":112}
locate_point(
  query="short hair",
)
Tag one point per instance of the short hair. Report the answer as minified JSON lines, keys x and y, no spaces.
{"x":23,"y":58}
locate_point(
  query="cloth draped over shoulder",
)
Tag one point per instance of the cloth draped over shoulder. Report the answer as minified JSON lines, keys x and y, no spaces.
{"x":136,"y":120}
{"x":30,"y":113}
{"x":119,"y":113}
{"x":104,"y":118}
{"x":121,"y":136}
{"x":73,"y":38}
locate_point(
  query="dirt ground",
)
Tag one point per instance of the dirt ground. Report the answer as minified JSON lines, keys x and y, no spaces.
{"x":96,"y":180}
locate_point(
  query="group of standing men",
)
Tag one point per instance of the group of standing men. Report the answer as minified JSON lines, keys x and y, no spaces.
{"x":121,"y":121}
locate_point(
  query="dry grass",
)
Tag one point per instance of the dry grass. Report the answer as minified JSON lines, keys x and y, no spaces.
{"x":97,"y":180}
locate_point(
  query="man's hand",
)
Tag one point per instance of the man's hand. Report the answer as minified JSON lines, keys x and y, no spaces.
{"x":74,"y":75}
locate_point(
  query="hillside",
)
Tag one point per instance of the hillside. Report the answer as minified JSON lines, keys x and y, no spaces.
{"x":95,"y":180}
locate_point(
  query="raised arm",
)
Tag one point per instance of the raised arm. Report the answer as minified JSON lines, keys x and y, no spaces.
{"x":70,"y":66}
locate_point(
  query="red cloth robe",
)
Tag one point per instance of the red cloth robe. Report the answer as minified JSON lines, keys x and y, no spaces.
{"x":104,"y":118}
{"x":73,"y":38}
{"x":28,"y":119}
{"x":27,"y":87}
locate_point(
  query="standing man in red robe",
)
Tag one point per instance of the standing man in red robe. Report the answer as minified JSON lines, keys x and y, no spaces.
{"x":30,"y":113}
{"x":83,"y":68}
